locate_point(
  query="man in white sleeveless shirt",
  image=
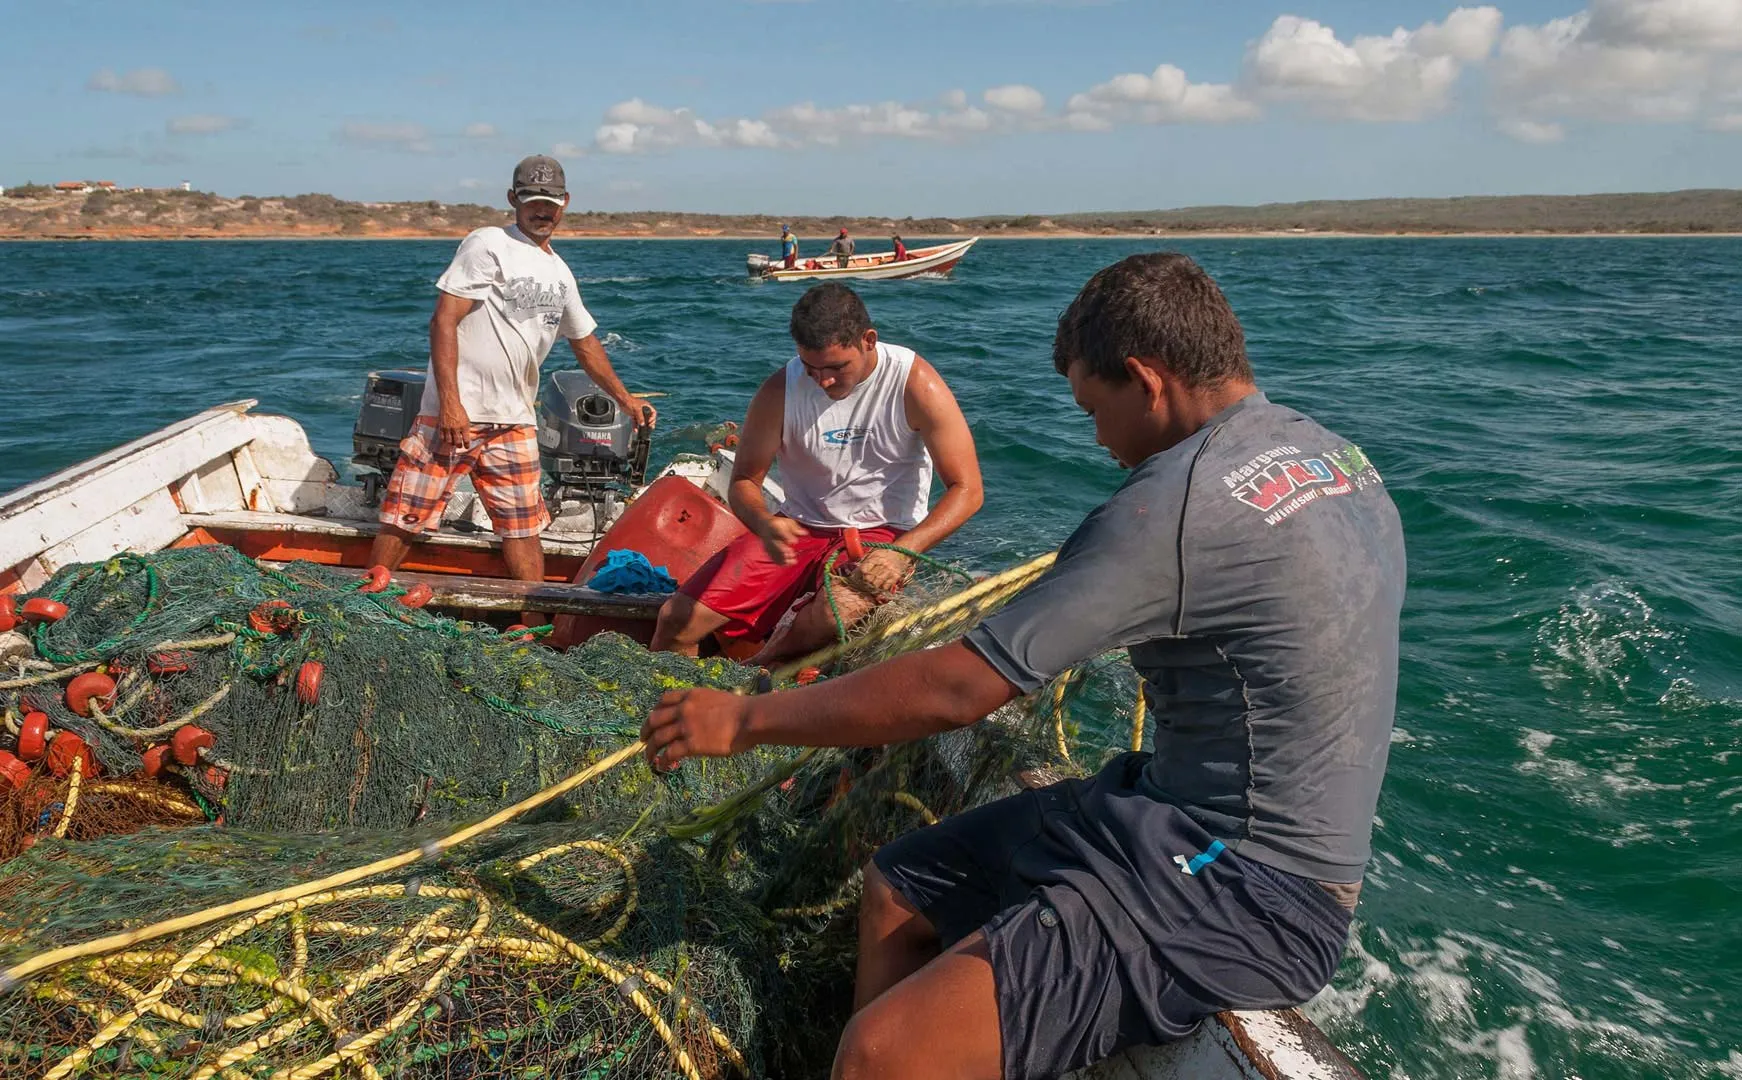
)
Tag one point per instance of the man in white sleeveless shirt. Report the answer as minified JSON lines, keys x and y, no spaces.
{"x":857,"y":427}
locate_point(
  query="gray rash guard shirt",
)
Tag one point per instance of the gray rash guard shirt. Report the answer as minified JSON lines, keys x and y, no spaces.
{"x":1256,"y":573}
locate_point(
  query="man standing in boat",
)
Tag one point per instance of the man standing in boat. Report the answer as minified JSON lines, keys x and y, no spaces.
{"x":842,"y":249}
{"x":857,"y":425}
{"x":500,"y":306}
{"x":788,"y":247}
{"x":1253,"y":564}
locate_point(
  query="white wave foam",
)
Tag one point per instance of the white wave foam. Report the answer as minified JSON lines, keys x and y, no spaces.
{"x":1601,"y":637}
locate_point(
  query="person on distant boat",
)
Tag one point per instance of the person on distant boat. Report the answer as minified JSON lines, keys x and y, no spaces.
{"x":500,"y":306}
{"x":901,"y":254}
{"x":842,"y":249}
{"x":857,"y":426}
{"x":1253,"y":564}
{"x":788,"y":247}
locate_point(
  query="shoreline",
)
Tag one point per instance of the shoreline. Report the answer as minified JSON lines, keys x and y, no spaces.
{"x":184,"y":236}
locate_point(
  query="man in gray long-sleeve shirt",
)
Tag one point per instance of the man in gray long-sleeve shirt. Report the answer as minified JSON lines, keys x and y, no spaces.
{"x":1253,"y":565}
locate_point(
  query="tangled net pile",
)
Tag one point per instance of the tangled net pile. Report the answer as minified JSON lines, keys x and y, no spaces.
{"x":323,"y":705}
{"x":618,"y":924}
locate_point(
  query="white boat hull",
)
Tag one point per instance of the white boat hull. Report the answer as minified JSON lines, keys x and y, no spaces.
{"x":883,"y":265}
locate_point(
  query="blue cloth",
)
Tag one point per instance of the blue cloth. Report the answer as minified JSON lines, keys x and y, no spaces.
{"x":626,"y":571}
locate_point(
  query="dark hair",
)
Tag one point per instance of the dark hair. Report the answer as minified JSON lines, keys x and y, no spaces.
{"x":829,"y":315}
{"x":1160,"y":307}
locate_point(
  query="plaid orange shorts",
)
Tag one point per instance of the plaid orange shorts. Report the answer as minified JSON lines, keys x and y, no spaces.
{"x":503,"y":461}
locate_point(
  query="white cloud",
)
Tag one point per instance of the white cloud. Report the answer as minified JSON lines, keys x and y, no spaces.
{"x":1532,"y":131}
{"x":1164,"y":96}
{"x":1405,"y":75}
{"x":471,"y":184}
{"x":1649,"y":60}
{"x":479,"y":131}
{"x":141,"y":82}
{"x":201,"y":124}
{"x":1015,"y":98}
{"x":1672,"y":24}
{"x":411,"y":138}
{"x":638,"y":127}
{"x":1726,"y":122}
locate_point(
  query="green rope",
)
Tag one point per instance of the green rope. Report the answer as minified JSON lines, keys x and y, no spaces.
{"x":829,"y":585}
{"x":153,"y":591}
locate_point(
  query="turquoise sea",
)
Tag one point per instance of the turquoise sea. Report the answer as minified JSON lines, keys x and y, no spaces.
{"x":1556,"y":889}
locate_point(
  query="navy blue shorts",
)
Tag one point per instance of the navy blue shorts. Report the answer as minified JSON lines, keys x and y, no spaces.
{"x":1113,"y":919}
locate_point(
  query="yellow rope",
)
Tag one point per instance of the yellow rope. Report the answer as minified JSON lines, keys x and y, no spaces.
{"x":1059,"y":690}
{"x":108,"y":720}
{"x":1137,"y":712}
{"x":990,"y":589}
{"x":66,"y":815}
{"x":912,"y":803}
{"x":115,"y":942}
{"x":631,"y":894}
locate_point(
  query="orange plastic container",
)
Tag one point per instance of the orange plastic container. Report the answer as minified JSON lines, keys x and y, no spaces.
{"x":676,"y":525}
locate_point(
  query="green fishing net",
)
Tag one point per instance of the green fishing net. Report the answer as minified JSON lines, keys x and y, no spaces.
{"x":693,"y":924}
{"x":331,"y":707}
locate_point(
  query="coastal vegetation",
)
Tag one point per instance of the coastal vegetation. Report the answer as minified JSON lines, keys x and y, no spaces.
{"x":34,"y":211}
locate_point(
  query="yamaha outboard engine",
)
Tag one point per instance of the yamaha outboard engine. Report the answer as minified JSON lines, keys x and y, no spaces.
{"x":390,"y":403}
{"x":591,"y":450}
{"x":758,"y":265}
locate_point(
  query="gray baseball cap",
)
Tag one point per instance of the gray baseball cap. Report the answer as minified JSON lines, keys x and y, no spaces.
{"x":540,"y":177}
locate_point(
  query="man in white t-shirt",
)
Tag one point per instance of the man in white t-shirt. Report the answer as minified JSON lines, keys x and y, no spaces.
{"x":501,"y":305}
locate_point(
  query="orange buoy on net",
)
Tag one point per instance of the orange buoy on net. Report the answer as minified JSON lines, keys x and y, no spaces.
{"x":41,"y":610}
{"x":64,"y":749}
{"x":854,"y":545}
{"x":91,"y":687}
{"x":156,"y":760}
{"x":174,"y":662}
{"x":8,"y":612}
{"x":809,"y":675}
{"x":13,"y":771}
{"x":187,"y":742}
{"x":33,"y":736}
{"x":375,"y":579}
{"x":417,"y":596}
{"x":273,"y":617}
{"x":308,"y":681}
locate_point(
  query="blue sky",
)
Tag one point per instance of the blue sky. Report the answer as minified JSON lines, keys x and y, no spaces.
{"x":880,"y":106}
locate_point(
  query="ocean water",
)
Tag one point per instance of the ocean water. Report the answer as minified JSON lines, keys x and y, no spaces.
{"x":1557,"y":873}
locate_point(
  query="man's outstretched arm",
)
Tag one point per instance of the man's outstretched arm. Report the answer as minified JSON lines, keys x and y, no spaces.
{"x":899,"y":700}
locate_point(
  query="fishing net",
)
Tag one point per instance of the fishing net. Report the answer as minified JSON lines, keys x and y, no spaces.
{"x":694,"y":924}
{"x":295,"y":700}
{"x":692,"y":940}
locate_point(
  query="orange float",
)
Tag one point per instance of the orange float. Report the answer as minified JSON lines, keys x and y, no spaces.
{"x":375,"y":579}
{"x":156,"y":760}
{"x":64,"y":749}
{"x":41,"y":610}
{"x":13,"y":771}
{"x":91,"y":687}
{"x":187,"y":742}
{"x":8,"y":612}
{"x":33,"y":736}
{"x":308,"y":681}
{"x":417,"y":596}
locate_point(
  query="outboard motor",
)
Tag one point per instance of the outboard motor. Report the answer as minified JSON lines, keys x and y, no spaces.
{"x":591,"y":450}
{"x":390,"y":403}
{"x":758,"y":265}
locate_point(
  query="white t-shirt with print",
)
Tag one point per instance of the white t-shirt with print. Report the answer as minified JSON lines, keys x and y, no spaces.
{"x":529,"y":300}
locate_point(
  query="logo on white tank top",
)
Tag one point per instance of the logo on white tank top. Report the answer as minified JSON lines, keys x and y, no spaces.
{"x":845,"y":436}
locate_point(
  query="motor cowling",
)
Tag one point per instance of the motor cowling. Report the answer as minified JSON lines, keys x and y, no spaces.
{"x":758,"y":265}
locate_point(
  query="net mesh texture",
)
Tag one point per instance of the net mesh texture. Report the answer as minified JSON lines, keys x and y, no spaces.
{"x":693,"y":924}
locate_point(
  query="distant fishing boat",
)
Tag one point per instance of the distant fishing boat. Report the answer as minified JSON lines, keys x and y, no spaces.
{"x":882,"y":264}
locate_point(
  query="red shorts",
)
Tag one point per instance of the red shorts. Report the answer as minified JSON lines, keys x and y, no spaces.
{"x":503,"y":461}
{"x":753,"y":591}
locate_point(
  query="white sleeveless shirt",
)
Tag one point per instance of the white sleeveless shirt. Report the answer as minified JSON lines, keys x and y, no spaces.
{"x":856,"y":461}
